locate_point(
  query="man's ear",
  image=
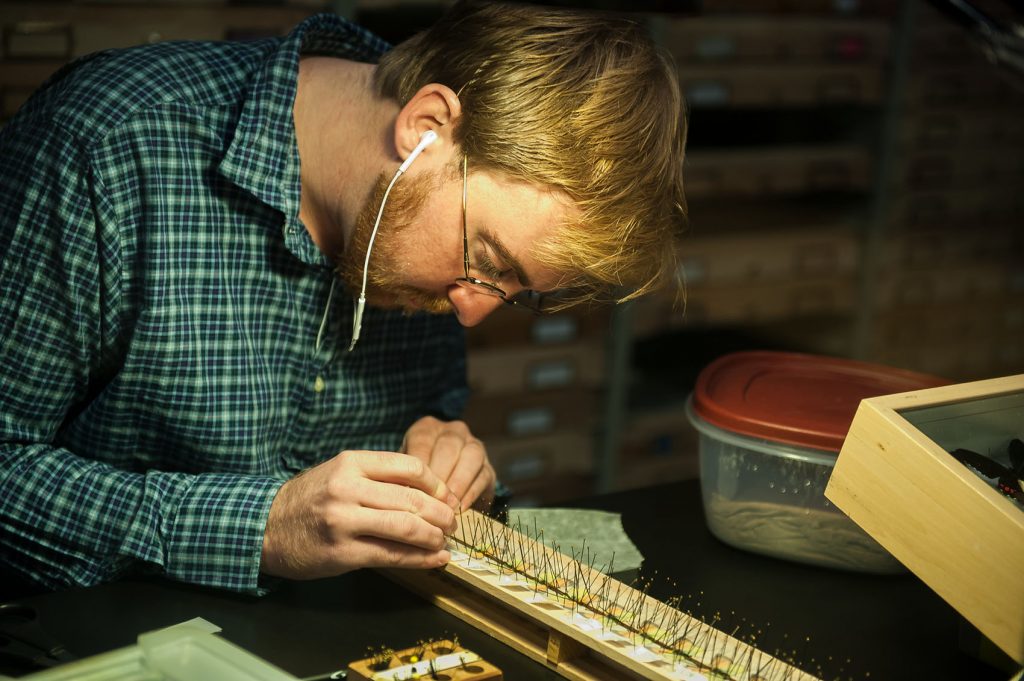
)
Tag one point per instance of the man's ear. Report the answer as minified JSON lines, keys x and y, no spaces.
{"x":434,"y":107}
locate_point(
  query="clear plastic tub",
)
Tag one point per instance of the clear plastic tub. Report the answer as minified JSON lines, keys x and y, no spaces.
{"x":768,"y":497}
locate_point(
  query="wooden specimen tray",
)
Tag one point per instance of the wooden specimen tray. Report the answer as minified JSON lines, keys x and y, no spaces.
{"x":437,"y":660}
{"x":896,"y":478}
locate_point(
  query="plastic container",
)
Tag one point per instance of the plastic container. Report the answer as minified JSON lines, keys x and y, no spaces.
{"x":771,"y":425}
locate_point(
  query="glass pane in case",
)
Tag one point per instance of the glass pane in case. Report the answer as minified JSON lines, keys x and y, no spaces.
{"x":985,"y":434}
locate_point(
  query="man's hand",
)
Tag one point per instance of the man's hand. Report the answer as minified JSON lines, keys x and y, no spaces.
{"x":359,"y":509}
{"x":454,"y":456}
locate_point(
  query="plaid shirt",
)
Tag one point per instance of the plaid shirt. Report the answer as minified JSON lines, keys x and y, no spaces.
{"x":160,"y":304}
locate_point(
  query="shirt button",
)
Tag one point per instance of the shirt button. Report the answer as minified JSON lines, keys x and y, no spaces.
{"x":318,"y":384}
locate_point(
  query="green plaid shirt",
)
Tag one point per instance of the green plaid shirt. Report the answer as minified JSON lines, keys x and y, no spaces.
{"x":159,"y":306}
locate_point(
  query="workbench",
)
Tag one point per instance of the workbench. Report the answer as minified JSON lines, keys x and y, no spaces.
{"x":850,"y":625}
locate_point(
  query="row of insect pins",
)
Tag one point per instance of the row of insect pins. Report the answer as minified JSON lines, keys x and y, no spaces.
{"x":519,"y":555}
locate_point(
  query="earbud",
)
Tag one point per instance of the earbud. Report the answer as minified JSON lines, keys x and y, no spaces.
{"x":426,"y":139}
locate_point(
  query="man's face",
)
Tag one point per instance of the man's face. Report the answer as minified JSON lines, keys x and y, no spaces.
{"x":418,"y":251}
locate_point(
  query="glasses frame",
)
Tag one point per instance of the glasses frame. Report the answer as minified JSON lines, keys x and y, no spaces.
{"x":480,"y":286}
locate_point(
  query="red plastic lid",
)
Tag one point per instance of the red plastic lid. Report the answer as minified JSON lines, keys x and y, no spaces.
{"x":797,"y":399}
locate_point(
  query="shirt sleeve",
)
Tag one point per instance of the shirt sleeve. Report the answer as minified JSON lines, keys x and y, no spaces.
{"x":68,"y":519}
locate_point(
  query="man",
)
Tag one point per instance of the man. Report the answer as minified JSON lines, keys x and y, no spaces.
{"x":183,"y":392}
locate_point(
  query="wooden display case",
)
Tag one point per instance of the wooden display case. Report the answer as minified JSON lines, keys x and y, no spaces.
{"x":952,"y":526}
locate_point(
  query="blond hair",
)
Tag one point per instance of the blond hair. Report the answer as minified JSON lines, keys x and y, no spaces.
{"x":582,"y":103}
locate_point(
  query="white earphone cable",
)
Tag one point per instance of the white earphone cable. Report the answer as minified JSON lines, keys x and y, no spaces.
{"x":357,"y":318}
{"x":327,"y":310}
{"x":426,"y":139}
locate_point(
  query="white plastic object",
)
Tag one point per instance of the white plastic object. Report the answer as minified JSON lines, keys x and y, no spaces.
{"x":189,"y":651}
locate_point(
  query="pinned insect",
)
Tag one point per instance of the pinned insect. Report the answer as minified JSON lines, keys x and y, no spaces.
{"x":1008,"y":480}
{"x":381,"y":658}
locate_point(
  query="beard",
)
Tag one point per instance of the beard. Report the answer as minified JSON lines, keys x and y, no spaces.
{"x":385,"y":287}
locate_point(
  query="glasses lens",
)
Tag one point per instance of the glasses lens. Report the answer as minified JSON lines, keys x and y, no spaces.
{"x":527,"y":300}
{"x":477,"y":286}
{"x":530,"y":300}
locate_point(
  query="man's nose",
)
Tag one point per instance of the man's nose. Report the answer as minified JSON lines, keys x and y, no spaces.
{"x":472,"y":308}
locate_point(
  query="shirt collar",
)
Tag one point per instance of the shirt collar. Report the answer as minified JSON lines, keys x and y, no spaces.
{"x":263,"y":157}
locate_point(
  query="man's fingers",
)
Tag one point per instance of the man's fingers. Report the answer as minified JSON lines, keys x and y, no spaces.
{"x":400,"y":469}
{"x":401,"y":527}
{"x":355,"y":510}
{"x":383,"y":496}
{"x":481,"y":489}
{"x":376,"y":552}
{"x":446,"y":455}
{"x":419,"y":439}
{"x":472,"y":459}
{"x":418,"y":443}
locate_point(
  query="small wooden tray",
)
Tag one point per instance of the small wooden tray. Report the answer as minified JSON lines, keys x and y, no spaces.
{"x":438,"y":660}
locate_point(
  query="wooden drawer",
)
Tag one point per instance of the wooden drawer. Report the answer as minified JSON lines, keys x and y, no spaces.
{"x":528,"y":369}
{"x":959,"y":86}
{"x":769,"y":256}
{"x":530,"y":458}
{"x":992,"y":207}
{"x":950,"y":129}
{"x":748,"y":304}
{"x":770,"y":39}
{"x":840,"y":8}
{"x":660,"y":434}
{"x":525,"y":415}
{"x":966,"y":244}
{"x":777,"y":171}
{"x":30,"y":40}
{"x":91,"y":28}
{"x":964,"y":170}
{"x":553,"y":490}
{"x":748,"y":86}
{"x":967,"y":283}
{"x":507,"y":327}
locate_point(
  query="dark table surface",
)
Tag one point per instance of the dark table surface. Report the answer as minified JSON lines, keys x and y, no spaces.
{"x":840,"y":625}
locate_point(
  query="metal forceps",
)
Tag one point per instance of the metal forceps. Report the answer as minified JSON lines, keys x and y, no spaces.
{"x":25,"y":642}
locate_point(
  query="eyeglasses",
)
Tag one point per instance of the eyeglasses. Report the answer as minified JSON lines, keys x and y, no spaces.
{"x":526,"y":300}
